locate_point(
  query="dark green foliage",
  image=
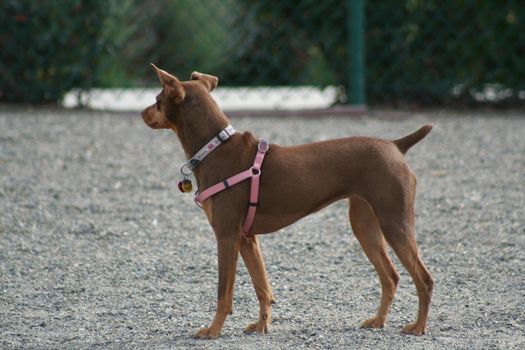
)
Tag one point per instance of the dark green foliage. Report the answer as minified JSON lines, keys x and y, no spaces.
{"x":178,"y":35}
{"x":417,"y":51}
{"x":287,"y":43}
{"x":48,"y":47}
{"x":429,"y":51}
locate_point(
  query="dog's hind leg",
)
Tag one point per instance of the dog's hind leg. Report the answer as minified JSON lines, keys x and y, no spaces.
{"x":395,"y":213}
{"x":367,"y":231}
{"x":228,"y":253}
{"x":408,"y":254}
{"x":251,"y":254}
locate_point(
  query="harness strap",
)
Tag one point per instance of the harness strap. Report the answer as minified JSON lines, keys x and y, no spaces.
{"x":254,"y":173}
{"x":221,"y":186}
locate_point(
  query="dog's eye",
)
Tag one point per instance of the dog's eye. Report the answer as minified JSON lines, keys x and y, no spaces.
{"x":158,"y":105}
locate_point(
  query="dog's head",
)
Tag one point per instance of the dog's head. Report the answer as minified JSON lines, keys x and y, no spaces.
{"x":180,"y":100}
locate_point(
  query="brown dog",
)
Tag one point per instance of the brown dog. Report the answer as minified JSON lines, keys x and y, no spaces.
{"x":371,"y":173}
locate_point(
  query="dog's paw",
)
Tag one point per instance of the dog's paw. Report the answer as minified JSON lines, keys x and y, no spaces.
{"x":257,"y":327}
{"x":374,"y":323}
{"x":206,"y":333}
{"x":414,"y":329}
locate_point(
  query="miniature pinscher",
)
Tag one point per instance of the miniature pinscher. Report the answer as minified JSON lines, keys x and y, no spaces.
{"x":370,"y":173}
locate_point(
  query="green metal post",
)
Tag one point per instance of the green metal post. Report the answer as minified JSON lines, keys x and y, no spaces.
{"x":356,"y":52}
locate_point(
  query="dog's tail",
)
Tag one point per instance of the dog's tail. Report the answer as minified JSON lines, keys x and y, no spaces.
{"x":404,"y":143}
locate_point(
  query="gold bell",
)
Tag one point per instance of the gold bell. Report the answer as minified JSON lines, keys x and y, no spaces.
{"x":185,"y":186}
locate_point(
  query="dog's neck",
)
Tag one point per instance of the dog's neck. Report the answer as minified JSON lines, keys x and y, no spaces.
{"x":195,"y":131}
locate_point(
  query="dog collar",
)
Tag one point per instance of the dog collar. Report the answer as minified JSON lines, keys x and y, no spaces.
{"x":222,"y":136}
{"x":186,"y":168}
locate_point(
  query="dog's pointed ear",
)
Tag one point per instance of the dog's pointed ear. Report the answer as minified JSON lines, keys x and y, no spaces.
{"x":171,"y":85}
{"x":209,"y":81}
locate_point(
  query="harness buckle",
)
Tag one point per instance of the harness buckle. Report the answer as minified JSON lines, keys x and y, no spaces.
{"x":223,"y":135}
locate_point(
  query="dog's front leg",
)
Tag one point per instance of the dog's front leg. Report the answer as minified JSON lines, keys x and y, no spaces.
{"x":251,"y":254}
{"x":228,"y":251}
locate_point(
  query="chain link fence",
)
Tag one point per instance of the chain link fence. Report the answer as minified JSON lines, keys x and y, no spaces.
{"x":49,"y":47}
{"x":463,"y":52}
{"x":421,"y":52}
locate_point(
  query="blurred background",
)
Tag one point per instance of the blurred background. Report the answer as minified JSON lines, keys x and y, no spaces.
{"x":421,"y":53}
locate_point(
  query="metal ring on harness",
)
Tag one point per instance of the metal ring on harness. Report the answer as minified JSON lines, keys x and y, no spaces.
{"x":263,"y":145}
{"x":182,"y":170}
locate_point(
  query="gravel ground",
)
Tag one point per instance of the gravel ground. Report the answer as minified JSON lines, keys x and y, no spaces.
{"x":98,"y":249}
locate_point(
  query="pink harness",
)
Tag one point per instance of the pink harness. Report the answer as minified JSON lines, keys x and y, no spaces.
{"x":254,"y":173}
